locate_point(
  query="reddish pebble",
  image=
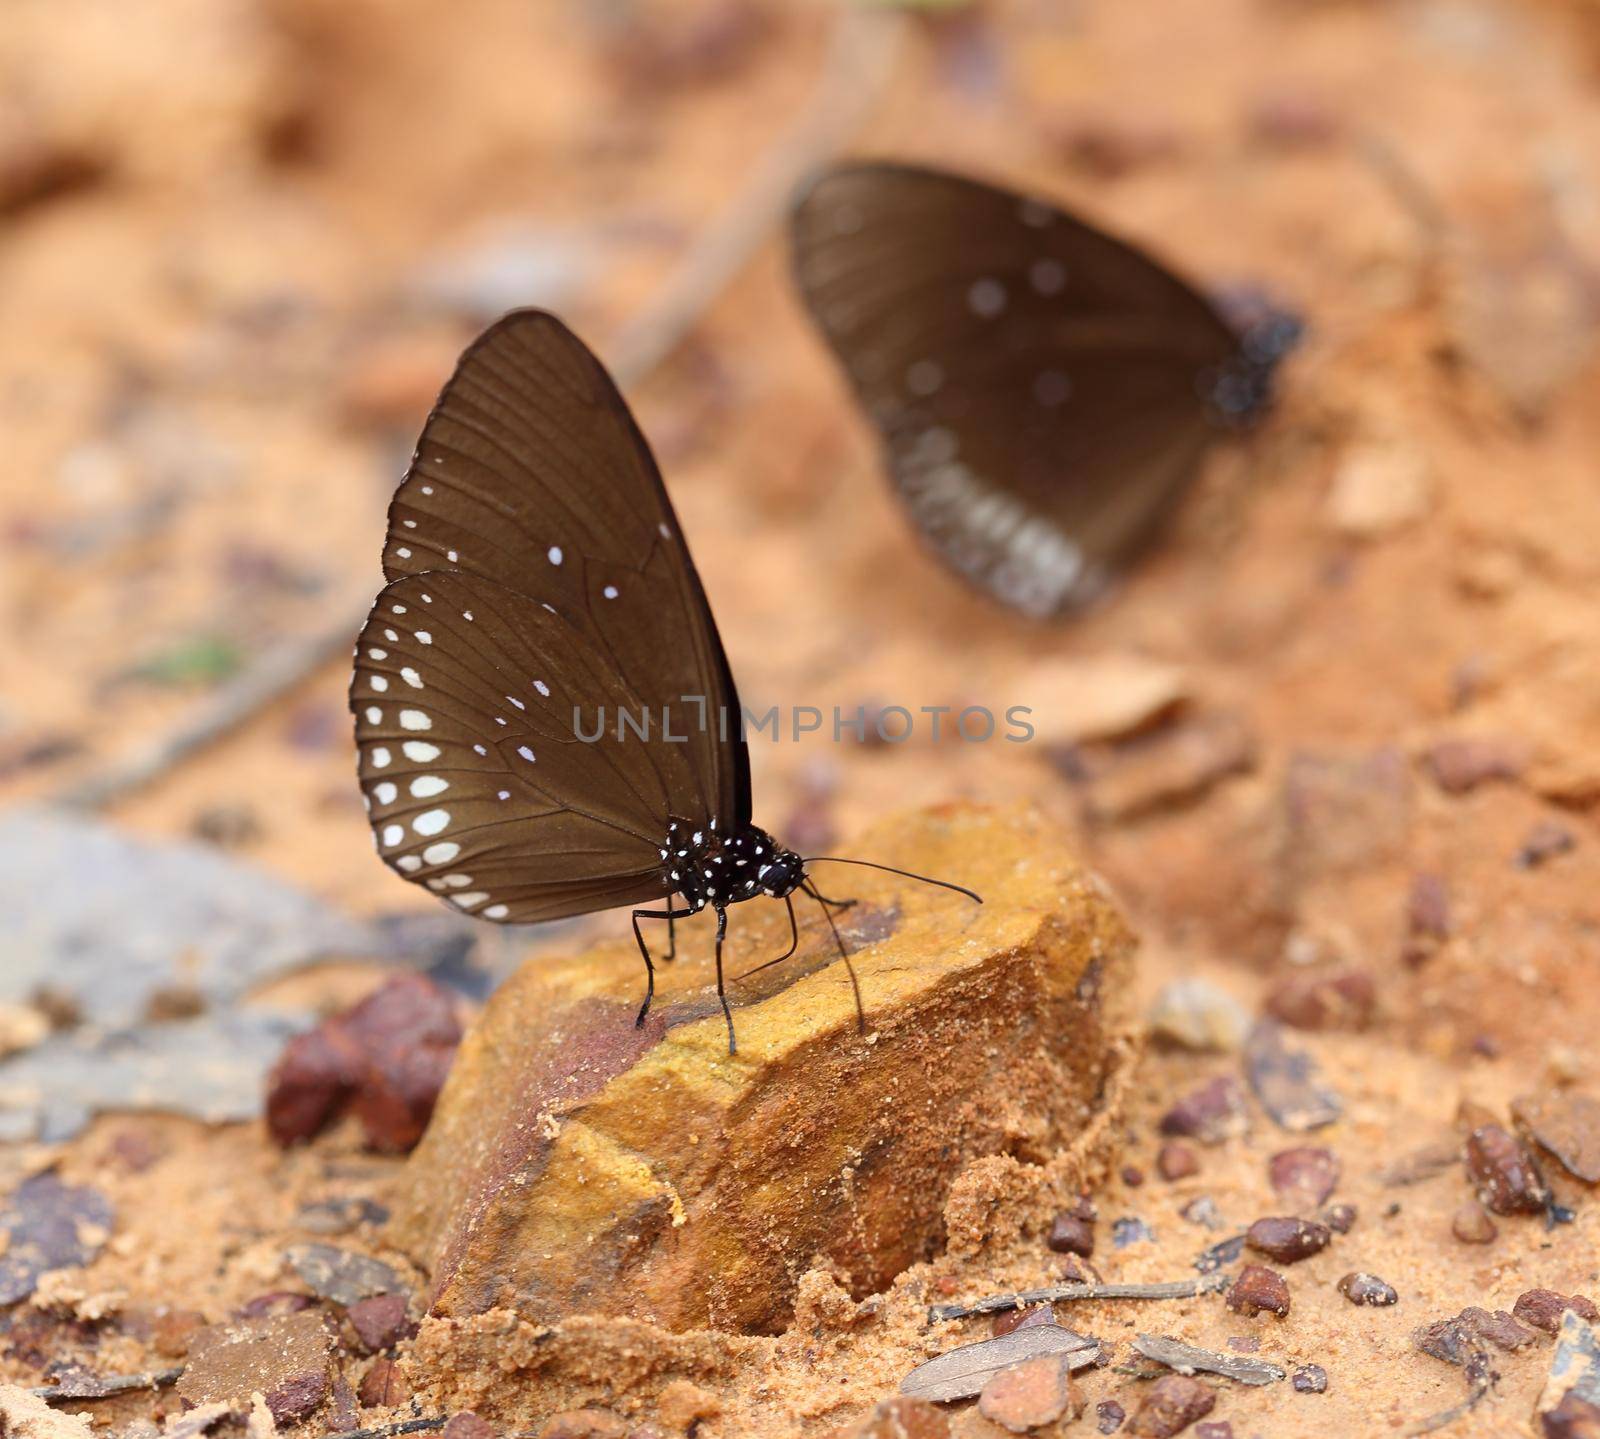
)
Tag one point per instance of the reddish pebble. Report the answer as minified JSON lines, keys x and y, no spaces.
{"x":1341,"y":1218}
{"x":1070,"y":1234}
{"x":1177,"y":1161}
{"x":1258,"y":1288}
{"x":584,"y":1424}
{"x":1573,"y":1418}
{"x":1109,"y":1416}
{"x":1471,"y":1225}
{"x":1132,"y":1175}
{"x":383,"y":1386}
{"x":1031,"y":1394}
{"x":1460,"y":765}
{"x":380,"y":1322}
{"x":1506,"y":1174}
{"x":1212,"y":1113}
{"x":1025,"y":1318}
{"x":898,"y":1418}
{"x":1361,"y":1288}
{"x":1544,"y":841}
{"x":1339,"y":999}
{"x":1543,"y":1308}
{"x":385,"y":1059}
{"x":1304,"y":1177}
{"x":1311,"y":1379}
{"x":1288,"y":1240}
{"x":467,"y":1425}
{"x":1171,"y":1405}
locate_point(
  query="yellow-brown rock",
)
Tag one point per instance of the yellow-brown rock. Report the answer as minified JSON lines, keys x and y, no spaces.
{"x":576,"y":1164}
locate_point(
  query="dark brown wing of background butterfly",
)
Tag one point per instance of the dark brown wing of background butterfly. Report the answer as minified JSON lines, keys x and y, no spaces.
{"x":1043,"y":390}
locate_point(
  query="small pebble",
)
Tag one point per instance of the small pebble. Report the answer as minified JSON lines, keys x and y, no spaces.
{"x":467,"y":1425}
{"x":1341,"y":1218}
{"x":1212,"y":1113}
{"x":1304,"y":1177}
{"x":1543,"y":1308}
{"x":380,"y":1322}
{"x":1544,"y":841}
{"x":1471,"y":1225}
{"x":1311,"y":1379}
{"x":1195,"y":1014}
{"x":1245,"y":1343}
{"x":1132,"y":1176}
{"x":1031,"y":1394}
{"x":1361,"y":1288}
{"x":1176,"y":1160}
{"x":1171,"y":1405}
{"x":1506,"y":1174}
{"x":1109,"y":1416}
{"x":1071,"y":1234}
{"x":1461,"y":765}
{"x":1573,"y":1418}
{"x":1258,"y":1288}
{"x":1128,"y":1231}
{"x":1288,"y":1240}
{"x":1221,"y":1429}
{"x":1338,"y":999}
{"x":584,"y":1424}
{"x":1010,"y":1320}
{"x":1428,"y":908}
{"x":383,"y":1386}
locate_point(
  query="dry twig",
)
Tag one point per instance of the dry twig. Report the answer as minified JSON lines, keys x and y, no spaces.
{"x":998,"y":1303}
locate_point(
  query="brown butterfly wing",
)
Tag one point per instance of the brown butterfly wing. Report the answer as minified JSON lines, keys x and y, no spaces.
{"x":1041,"y":388}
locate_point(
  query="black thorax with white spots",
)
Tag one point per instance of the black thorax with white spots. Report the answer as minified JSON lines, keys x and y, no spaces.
{"x":709,"y":868}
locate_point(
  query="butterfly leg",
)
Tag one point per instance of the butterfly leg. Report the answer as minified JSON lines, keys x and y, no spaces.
{"x":844,"y":954}
{"x":722,"y":993}
{"x":794,"y":944}
{"x":672,"y":937}
{"x":669,"y":914}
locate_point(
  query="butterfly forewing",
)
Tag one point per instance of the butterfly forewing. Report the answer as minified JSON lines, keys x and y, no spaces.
{"x":532,"y":473}
{"x":1040,"y":386}
{"x":540,"y":590}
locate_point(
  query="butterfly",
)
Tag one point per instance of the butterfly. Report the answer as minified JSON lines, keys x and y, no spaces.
{"x":538,"y":578}
{"x":1043,"y":391}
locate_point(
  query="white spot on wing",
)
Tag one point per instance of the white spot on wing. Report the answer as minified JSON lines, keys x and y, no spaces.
{"x":542,"y":687}
{"x":441,"y":853}
{"x":424,"y":638}
{"x":427,"y":785}
{"x":411,"y":677}
{"x":384,"y":793}
{"x":610,"y":592}
{"x":409,"y":863}
{"x":555,"y":554}
{"x":525,"y":752}
{"x":431,"y":822}
{"x":393,"y":834}
{"x":986,"y":298}
{"x":420,"y":750}
{"x":378,"y":683}
{"x":380,"y":757}
{"x":374,"y":715}
{"x":924,"y":378}
{"x":467,"y":901}
{"x":496,"y":911}
{"x":1048,"y":277}
{"x":414,"y":719}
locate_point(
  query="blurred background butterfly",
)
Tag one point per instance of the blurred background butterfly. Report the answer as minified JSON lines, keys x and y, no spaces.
{"x":1043,"y":391}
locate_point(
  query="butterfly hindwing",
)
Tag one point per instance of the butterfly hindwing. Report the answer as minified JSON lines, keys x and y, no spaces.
{"x":1041,"y":388}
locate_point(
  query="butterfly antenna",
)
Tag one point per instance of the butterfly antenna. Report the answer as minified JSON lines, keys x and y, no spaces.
{"x":844,"y":954}
{"x":903,"y":873}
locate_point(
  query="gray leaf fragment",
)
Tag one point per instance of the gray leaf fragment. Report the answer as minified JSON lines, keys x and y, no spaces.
{"x":1188,"y":1359}
{"x":1285,"y":1081}
{"x":341,"y":1274}
{"x":1575,"y":1364}
{"x":962,"y":1373}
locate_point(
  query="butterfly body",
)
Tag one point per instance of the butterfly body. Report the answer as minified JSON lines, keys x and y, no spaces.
{"x":705,"y":867}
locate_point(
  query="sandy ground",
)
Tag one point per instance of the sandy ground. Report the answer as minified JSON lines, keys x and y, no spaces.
{"x":215,"y":230}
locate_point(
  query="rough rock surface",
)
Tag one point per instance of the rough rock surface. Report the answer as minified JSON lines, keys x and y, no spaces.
{"x":578,"y":1164}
